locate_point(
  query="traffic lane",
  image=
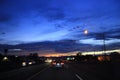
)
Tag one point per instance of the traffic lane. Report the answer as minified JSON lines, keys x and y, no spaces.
{"x":22,"y":73}
{"x":83,"y":73}
{"x":87,"y":73}
{"x":57,"y":74}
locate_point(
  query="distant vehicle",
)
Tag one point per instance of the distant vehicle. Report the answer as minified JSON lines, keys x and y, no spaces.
{"x":29,"y":62}
{"x":58,"y":64}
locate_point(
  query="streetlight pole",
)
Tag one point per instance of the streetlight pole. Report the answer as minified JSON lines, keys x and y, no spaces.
{"x":94,"y":50}
{"x":85,"y":32}
{"x":104,"y":45}
{"x":104,"y":42}
{"x":5,"y":50}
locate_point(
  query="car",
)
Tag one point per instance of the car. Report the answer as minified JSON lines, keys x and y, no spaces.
{"x":58,"y":64}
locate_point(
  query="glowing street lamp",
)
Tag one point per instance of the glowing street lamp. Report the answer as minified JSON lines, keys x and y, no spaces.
{"x":85,"y":31}
{"x":5,"y":58}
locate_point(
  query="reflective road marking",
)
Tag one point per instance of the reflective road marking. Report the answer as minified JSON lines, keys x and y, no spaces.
{"x":78,"y":77}
{"x":30,"y":78}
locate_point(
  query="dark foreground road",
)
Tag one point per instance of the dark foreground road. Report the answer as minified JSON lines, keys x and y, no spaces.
{"x":55,"y":74}
{"x":22,"y":73}
{"x":71,"y":71}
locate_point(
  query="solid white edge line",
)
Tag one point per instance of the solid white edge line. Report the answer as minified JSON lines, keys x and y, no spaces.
{"x":78,"y":77}
{"x":37,"y":73}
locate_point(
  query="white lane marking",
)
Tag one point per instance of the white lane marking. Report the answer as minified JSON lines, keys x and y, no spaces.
{"x":78,"y":77}
{"x":30,"y":78}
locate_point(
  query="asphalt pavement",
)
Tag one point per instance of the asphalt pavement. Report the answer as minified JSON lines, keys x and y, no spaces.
{"x":71,"y":71}
{"x":22,"y":73}
{"x":74,"y":71}
{"x":56,"y":74}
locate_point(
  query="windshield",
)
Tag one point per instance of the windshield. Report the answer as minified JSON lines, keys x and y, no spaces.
{"x":59,"y":39}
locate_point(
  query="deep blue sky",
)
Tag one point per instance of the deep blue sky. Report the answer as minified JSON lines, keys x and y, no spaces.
{"x":28,"y":21}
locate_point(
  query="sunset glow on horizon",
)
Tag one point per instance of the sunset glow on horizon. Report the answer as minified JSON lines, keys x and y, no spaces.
{"x":55,"y":54}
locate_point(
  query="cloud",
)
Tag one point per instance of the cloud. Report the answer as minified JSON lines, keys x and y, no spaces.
{"x":107,"y":34}
{"x":51,"y":13}
{"x":4,"y":18}
{"x":98,"y":33}
{"x":30,"y":9}
{"x":71,"y":16}
{"x":63,"y":46}
{"x":2,"y":2}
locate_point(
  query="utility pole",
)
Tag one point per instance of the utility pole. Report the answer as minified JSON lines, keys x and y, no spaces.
{"x":5,"y":50}
{"x":104,"y":45}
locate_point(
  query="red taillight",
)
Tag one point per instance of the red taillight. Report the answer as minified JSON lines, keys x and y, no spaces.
{"x":54,"y":63}
{"x":62,"y":63}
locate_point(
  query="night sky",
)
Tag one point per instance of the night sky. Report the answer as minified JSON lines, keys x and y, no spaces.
{"x":59,"y":24}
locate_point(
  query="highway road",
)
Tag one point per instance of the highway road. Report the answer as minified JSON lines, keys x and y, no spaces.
{"x":71,"y":71}
{"x":55,"y":74}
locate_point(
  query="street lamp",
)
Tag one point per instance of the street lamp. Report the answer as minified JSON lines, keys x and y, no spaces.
{"x":104,"y":42}
{"x":86,"y":31}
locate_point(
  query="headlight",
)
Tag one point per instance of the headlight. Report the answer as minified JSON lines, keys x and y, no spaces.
{"x":30,"y":63}
{"x":23,"y":63}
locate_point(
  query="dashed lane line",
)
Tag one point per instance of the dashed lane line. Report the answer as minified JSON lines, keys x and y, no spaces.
{"x":78,"y":77}
{"x":30,"y":78}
